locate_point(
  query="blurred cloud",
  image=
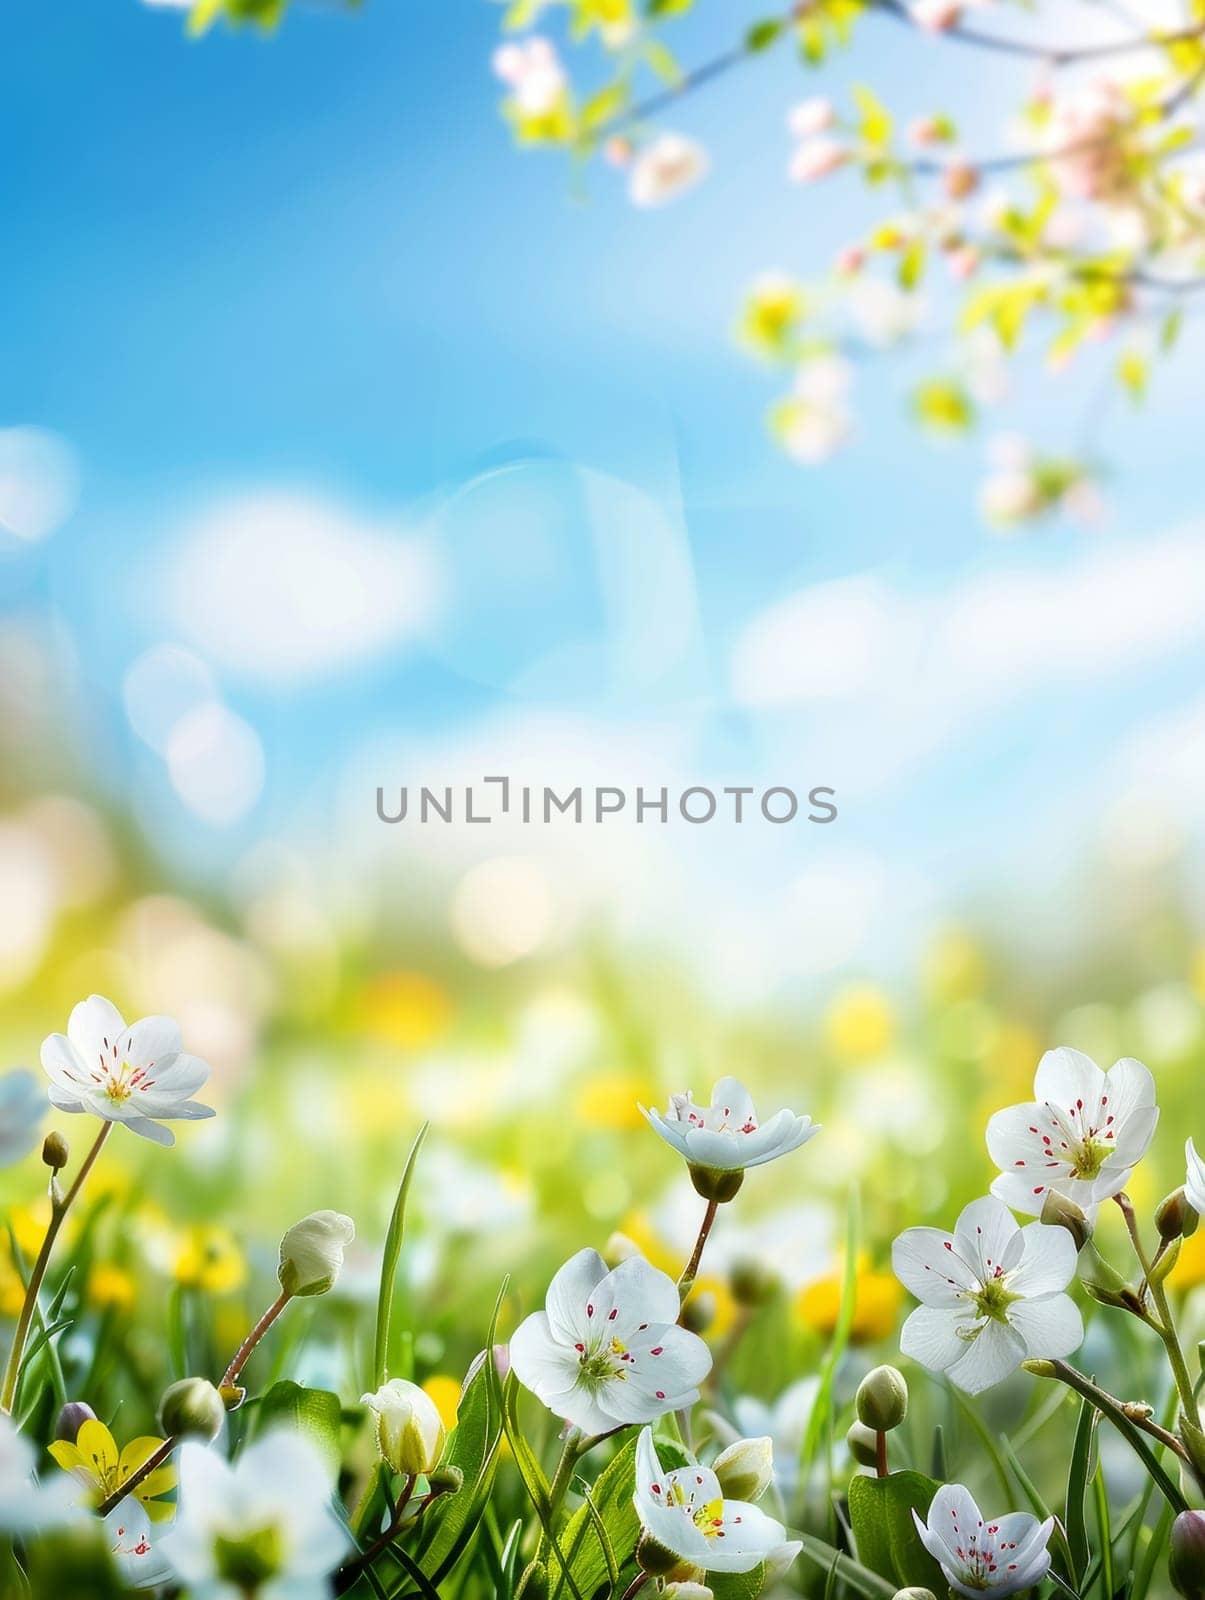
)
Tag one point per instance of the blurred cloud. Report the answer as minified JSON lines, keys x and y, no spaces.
{"x":899,"y":673}
{"x":280,"y":587}
{"x":39,"y":483}
{"x":216,"y":763}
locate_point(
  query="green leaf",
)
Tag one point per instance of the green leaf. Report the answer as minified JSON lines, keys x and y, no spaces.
{"x":473,"y":1447}
{"x":314,"y":1412}
{"x":389,"y":1261}
{"x":763,"y":34}
{"x":880,"y":1510}
{"x":876,"y":124}
{"x":663,"y":62}
{"x":859,"y":1578}
{"x":1077,"y":1482}
{"x":1133,"y":372}
{"x":737,"y":1585}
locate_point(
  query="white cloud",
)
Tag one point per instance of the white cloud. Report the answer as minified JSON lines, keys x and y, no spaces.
{"x":280,"y":587}
{"x":884,"y":677}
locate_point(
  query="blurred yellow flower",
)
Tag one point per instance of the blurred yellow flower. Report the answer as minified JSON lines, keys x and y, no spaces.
{"x":445,"y":1392}
{"x":29,"y":1224}
{"x":612,"y":1100}
{"x":208,"y":1258}
{"x":407,"y":1009}
{"x":96,"y":1462}
{"x":860,"y":1022}
{"x":110,"y":1288}
{"x":877,"y":1298}
{"x":955,"y":967}
{"x":1189,"y":1270}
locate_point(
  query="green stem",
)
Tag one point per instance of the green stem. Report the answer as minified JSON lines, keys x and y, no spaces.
{"x":348,"y":1574}
{"x":634,"y":1588}
{"x":156,"y":1459}
{"x":58,"y":1210}
{"x":231,"y":1375}
{"x":691,"y":1269}
{"x":1166,"y":1326}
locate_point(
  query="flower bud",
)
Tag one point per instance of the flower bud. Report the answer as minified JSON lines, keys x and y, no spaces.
{"x":862,"y":1443}
{"x":311,"y":1253}
{"x":619,"y":1248}
{"x":446,"y":1480}
{"x":745,"y":1469}
{"x":1186,"y":1560}
{"x":55,"y":1150}
{"x":752,"y":1283}
{"x":71,"y":1419}
{"x":882,"y":1399}
{"x":699,"y":1312}
{"x":654,"y":1558}
{"x":192,"y":1409}
{"x":410,"y":1430}
{"x":1175,"y":1218}
{"x":717,"y":1183}
{"x":1059,"y":1212}
{"x":914,"y":1594}
{"x":687,"y":1591}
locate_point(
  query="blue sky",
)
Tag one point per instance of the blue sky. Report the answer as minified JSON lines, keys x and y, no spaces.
{"x":315,"y":267}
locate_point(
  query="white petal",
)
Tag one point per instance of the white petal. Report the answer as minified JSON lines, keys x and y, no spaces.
{"x":923,"y":1260}
{"x":1067,"y":1078}
{"x":1051,"y":1327}
{"x":1194,"y":1183}
{"x":1047,"y":1263}
{"x":930,"y":1336}
{"x":953,"y":1517}
{"x":672,"y":1131}
{"x":1128,"y":1086}
{"x":749,"y":1536}
{"x":569,"y":1291}
{"x":1017,"y":1143}
{"x":543,"y":1363}
{"x":636,"y":1293}
{"x":733,"y":1101}
{"x":990,"y":1357}
{"x":146,"y":1129}
{"x":153,"y":1039}
{"x":1135,"y":1133}
{"x":62,"y":1063}
{"x":705,"y":1147}
{"x":1019,"y":1193}
{"x":985,"y":1235}
{"x":95,"y":1028}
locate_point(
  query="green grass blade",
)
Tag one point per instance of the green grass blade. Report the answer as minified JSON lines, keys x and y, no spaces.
{"x":1077,"y":1484}
{"x":822,"y":1408}
{"x":859,"y":1578}
{"x":389,"y":1261}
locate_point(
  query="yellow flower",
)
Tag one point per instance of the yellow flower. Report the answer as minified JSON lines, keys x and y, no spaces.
{"x":110,"y":1288}
{"x":29,"y":1224}
{"x":1189,"y":1270}
{"x":613,"y":1100}
{"x":96,"y":1462}
{"x":772,"y":314}
{"x":407,"y":1009}
{"x":445,"y":1392}
{"x":208,"y":1258}
{"x":876,"y":1303}
{"x":860,"y":1022}
{"x":955,"y":967}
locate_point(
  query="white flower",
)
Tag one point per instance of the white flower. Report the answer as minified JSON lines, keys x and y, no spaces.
{"x":131,"y":1538}
{"x":1194,"y":1183}
{"x":311,"y":1252}
{"x":264,"y":1523}
{"x":26,"y":1506}
{"x":532,"y":71}
{"x":410,"y":1430}
{"x":812,"y":116}
{"x":666,"y":168}
{"x":138,"y":1075}
{"x":726,"y":1135}
{"x":684,"y":1512}
{"x":991,"y":1292}
{"x":1082,"y":1134}
{"x":606,"y":1350}
{"x":22,"y":1107}
{"x":815,"y":159}
{"x":977,"y":1556}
